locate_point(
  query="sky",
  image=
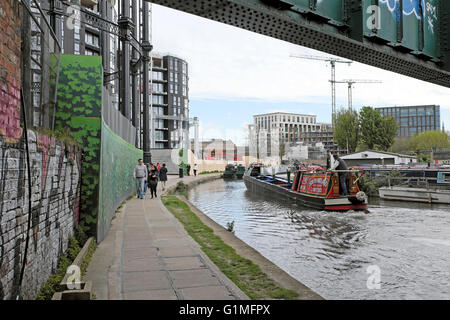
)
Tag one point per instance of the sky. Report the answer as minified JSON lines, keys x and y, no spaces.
{"x":235,"y":74}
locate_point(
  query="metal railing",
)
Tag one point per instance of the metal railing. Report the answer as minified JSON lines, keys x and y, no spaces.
{"x":40,"y":66}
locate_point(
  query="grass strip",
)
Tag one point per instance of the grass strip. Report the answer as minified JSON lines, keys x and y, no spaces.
{"x":244,"y":273}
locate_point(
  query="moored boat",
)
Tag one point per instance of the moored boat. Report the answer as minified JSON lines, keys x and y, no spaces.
{"x":229,"y":172}
{"x":315,"y":189}
{"x":240,"y":171}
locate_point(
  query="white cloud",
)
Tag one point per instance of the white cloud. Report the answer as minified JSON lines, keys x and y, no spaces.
{"x":229,"y":63}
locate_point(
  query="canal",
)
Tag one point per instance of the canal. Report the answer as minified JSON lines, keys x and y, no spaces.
{"x":335,"y":254}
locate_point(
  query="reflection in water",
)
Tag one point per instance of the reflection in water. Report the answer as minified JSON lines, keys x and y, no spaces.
{"x":330,"y":252}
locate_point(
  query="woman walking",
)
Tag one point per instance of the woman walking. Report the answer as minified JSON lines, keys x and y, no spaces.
{"x":163,"y":176}
{"x":153,"y":180}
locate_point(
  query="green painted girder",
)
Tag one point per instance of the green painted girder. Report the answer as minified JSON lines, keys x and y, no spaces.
{"x":412,"y":37}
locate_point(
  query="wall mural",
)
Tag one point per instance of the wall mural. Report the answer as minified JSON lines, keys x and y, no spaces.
{"x":108,"y":160}
{"x":79,"y":109}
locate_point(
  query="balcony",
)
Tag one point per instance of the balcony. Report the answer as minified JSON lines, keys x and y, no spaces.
{"x":91,"y":5}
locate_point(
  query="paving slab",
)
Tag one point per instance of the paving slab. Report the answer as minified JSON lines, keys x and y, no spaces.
{"x":145,"y":281}
{"x":207,"y":293}
{"x":181,"y":251}
{"x":183,"y":263}
{"x":142,"y":264}
{"x":168,"y":294}
{"x":193,"y":278}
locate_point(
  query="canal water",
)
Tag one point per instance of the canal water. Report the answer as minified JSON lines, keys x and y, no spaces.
{"x":341,"y":255}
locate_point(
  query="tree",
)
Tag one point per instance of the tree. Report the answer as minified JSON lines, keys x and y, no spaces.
{"x":346,"y":131}
{"x":400,"y":145}
{"x":377,"y":132}
{"x":369,"y":120}
{"x":388,"y":131}
{"x":428,"y":140}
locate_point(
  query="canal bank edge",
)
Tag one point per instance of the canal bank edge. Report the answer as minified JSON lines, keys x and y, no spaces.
{"x":279,"y":276}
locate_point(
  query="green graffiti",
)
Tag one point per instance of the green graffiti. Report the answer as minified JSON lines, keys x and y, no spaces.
{"x":108,"y":161}
{"x":79,"y":109}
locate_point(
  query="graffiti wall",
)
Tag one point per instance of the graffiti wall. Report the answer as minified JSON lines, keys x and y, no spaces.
{"x":55,"y":178}
{"x":79,"y":110}
{"x":118,"y":159}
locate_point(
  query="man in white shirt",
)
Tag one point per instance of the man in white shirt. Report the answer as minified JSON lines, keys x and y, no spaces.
{"x":140,"y":174}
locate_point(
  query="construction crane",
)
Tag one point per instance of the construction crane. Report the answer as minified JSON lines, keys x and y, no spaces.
{"x":350,"y":83}
{"x":332,"y":62}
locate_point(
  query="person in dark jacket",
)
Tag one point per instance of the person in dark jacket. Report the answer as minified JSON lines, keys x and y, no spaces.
{"x":163,"y":176}
{"x":188,"y":170}
{"x":340,"y":165}
{"x":153,"y":180}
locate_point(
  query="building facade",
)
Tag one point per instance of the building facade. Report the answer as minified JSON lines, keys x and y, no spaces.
{"x":170,"y":102}
{"x":414,"y":120}
{"x":270,"y":132}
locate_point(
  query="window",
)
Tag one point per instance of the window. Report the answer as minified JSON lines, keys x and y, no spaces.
{"x":171,"y":88}
{"x":184,"y":91}
{"x":176,"y":77}
{"x":158,"y":99}
{"x":158,"y":111}
{"x":157,"y":76}
{"x":158,"y":87}
{"x":158,"y":123}
{"x":171,"y":76}
{"x":159,"y":135}
{"x":89,"y":52}
{"x":91,"y":39}
{"x":184,"y":67}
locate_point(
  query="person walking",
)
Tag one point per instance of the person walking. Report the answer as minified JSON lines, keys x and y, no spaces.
{"x":340,"y":165}
{"x":181,"y":170}
{"x":195,"y":169}
{"x":188,"y":169}
{"x":163,"y":176}
{"x":158,"y":166}
{"x":153,"y":181}
{"x":140,"y":174}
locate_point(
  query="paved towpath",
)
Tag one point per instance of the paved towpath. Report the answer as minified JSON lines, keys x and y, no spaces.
{"x":148,"y":255}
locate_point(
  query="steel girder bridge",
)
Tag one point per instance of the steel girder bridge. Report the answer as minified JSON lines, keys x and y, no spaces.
{"x":409,"y":37}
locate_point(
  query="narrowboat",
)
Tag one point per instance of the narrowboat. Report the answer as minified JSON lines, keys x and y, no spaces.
{"x":229,"y":172}
{"x":318,"y":189}
{"x":240,"y":171}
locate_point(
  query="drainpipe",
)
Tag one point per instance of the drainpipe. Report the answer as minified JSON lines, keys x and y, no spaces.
{"x":147,"y":48}
{"x":125,"y":25}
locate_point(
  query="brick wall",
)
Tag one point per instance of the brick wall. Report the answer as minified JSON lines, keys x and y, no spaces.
{"x":55,"y":176}
{"x":10,"y":47}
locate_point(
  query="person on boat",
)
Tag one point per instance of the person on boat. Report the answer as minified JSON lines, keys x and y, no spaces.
{"x":339,"y":164}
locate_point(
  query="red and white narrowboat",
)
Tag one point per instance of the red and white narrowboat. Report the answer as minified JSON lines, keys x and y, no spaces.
{"x":318,"y":189}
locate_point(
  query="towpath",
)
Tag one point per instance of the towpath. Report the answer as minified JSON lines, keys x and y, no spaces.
{"x":147,"y":255}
